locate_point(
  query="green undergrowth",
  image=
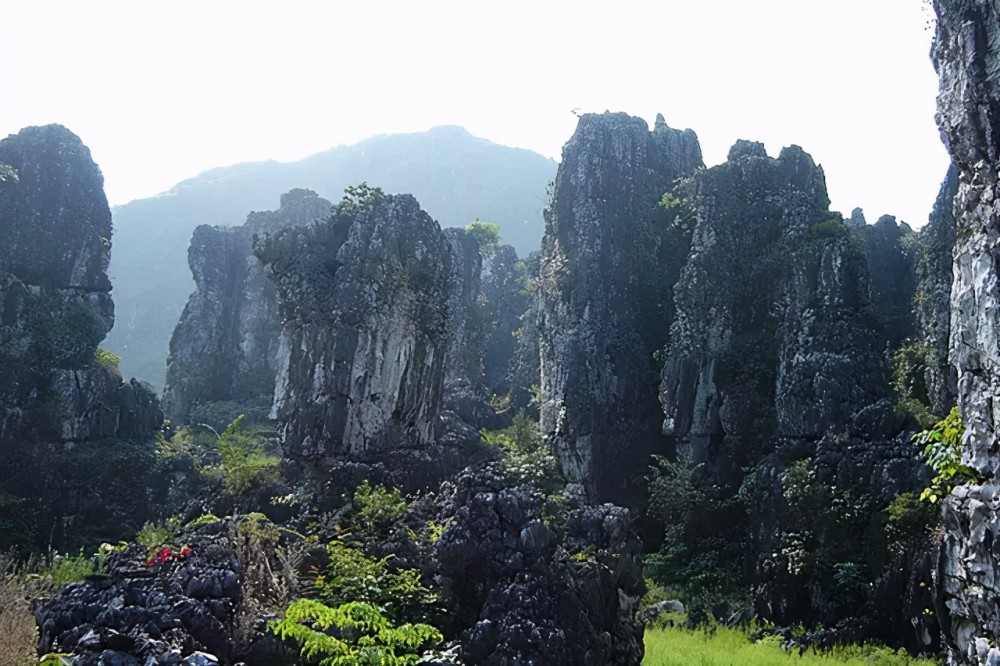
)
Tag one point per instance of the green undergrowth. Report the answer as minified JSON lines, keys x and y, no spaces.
{"x":725,"y":646}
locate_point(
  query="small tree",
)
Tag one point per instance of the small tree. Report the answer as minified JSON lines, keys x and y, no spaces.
{"x":245,"y":464}
{"x":487,"y":234}
{"x":366,"y":637}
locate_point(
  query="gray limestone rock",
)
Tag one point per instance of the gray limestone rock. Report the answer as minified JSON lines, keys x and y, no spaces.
{"x":967,"y":58}
{"x":610,"y":256}
{"x":62,"y":407}
{"x":933,"y":303}
{"x":368,"y":298}
{"x":225,"y":346}
{"x":770,"y":337}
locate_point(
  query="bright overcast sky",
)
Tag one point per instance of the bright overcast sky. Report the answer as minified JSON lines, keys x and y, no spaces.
{"x":162,"y":91}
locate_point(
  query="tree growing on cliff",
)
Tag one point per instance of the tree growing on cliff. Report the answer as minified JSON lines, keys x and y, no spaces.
{"x":487,"y":234}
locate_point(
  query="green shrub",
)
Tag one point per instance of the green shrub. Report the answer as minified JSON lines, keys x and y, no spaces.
{"x":908,"y":366}
{"x":351,"y":575}
{"x":674,"y":493}
{"x":62,"y":570}
{"x":487,"y":234}
{"x":528,"y":460}
{"x":244,"y":463}
{"x":943,"y":451}
{"x":107,"y":360}
{"x":367,"y":638}
{"x":829,"y":229}
{"x":153,"y":536}
{"x":375,"y":510}
{"x":908,"y":520}
{"x":205,"y":519}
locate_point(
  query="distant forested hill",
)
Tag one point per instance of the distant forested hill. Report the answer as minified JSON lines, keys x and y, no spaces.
{"x":455,"y":176}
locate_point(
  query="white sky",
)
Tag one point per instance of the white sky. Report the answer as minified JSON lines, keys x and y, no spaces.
{"x":161,"y":92}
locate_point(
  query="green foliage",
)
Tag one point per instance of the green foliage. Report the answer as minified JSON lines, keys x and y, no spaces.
{"x":107,"y":360}
{"x":62,"y":570}
{"x":205,"y":519}
{"x":153,"y":536}
{"x":367,"y":637}
{"x":487,"y":234}
{"x":52,"y":329}
{"x":943,"y":452}
{"x":724,"y":646}
{"x":351,"y":575}
{"x":358,"y":197}
{"x":375,"y":510}
{"x":674,"y":493}
{"x":500,"y":404}
{"x":678,"y":202}
{"x":701,"y":551}
{"x":655,"y":593}
{"x":828,"y":230}
{"x":908,"y":520}
{"x":55,"y":659}
{"x":528,"y":460}
{"x":908,"y":366}
{"x":245,"y":465}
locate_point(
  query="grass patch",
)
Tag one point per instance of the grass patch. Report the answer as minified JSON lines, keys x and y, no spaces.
{"x":18,"y":636}
{"x":724,"y":646}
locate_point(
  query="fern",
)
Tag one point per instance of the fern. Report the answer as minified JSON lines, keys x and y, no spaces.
{"x":366,"y":637}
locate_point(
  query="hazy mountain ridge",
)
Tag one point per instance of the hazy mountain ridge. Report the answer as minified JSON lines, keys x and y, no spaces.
{"x":455,"y":176}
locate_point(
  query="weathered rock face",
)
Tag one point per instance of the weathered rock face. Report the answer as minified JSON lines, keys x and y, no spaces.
{"x":225,"y":346}
{"x":933,"y":304}
{"x":487,"y":381}
{"x":775,"y":386}
{"x":891,"y":277}
{"x":515,"y":593}
{"x":367,"y":299}
{"x":58,"y":402}
{"x":609,"y":260}
{"x":770,"y":338}
{"x":968,"y":61}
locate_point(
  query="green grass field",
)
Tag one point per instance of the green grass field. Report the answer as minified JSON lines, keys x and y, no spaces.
{"x":730,"y":647}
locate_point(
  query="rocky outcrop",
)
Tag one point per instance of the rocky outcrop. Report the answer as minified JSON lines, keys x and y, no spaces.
{"x":775,"y":386}
{"x":933,"y":299}
{"x":59,"y":399}
{"x":487,"y":381}
{"x":225,"y":346}
{"x":520,"y":591}
{"x":891,"y":277}
{"x":609,"y":259}
{"x":456,"y":177}
{"x":194,"y":605}
{"x":367,"y":299}
{"x":968,"y":61}
{"x":770,"y":338}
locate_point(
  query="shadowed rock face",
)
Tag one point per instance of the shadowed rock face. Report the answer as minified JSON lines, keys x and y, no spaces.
{"x":609,"y":260}
{"x":933,"y":305}
{"x":968,"y":63}
{"x":367,"y":299}
{"x":891,"y":277}
{"x":770,"y":338}
{"x":225,"y":346}
{"x":58,"y":405}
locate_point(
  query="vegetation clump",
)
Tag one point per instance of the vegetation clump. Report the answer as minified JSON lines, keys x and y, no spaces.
{"x":364,"y":637}
{"x":528,"y":459}
{"x":943,"y":452}
{"x":245,"y":464}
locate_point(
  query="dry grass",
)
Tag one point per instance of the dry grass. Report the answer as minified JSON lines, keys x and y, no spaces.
{"x":18,"y":635}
